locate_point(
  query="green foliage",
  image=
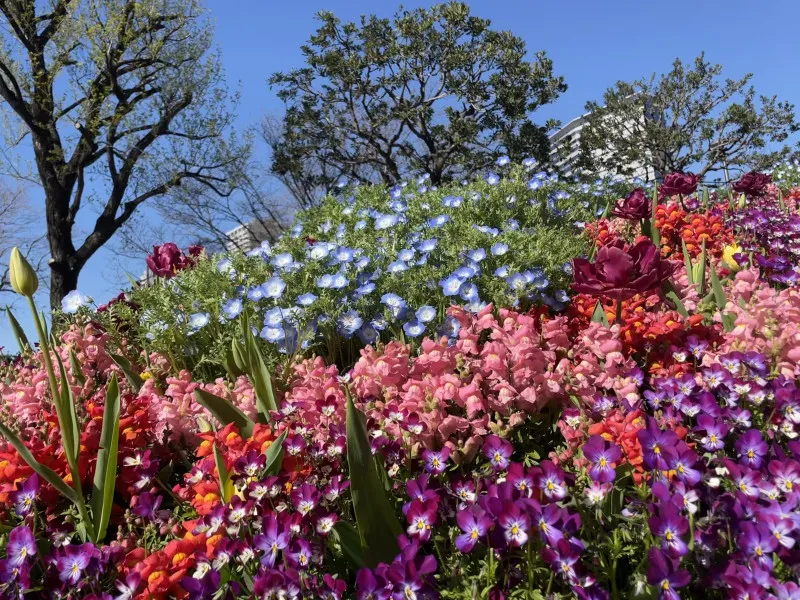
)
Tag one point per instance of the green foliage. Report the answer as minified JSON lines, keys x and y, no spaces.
{"x":225,"y":412}
{"x":541,"y":238}
{"x":434,"y":91}
{"x":105,"y":475}
{"x":684,"y":118}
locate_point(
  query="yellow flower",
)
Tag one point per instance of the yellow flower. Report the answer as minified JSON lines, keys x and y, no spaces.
{"x":23,"y":277}
{"x":727,"y":257}
{"x":146,"y":375}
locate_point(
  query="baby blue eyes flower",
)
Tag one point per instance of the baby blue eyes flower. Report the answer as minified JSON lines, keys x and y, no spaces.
{"x":512,"y":225}
{"x":224,"y":265}
{"x":274,"y":287}
{"x":517,"y":282}
{"x":561,"y":296}
{"x":396,"y":192}
{"x":199,"y":320}
{"x":425,"y":314}
{"x":233,"y":308}
{"x":427,"y":245}
{"x":534,"y":184}
{"x":501,"y":271}
{"x":397,"y":266}
{"x":297,"y":230}
{"x":469,"y":292}
{"x":491,"y":178}
{"x":477,"y":255}
{"x":465,"y":272}
{"x":325,"y":281}
{"x":385,"y":221}
{"x":273,"y":334}
{"x":414,"y":328}
{"x":306,"y":299}
{"x":255,"y":293}
{"x":349,"y":323}
{"x":281,"y":260}
{"x":499,"y":249}
{"x":338,"y":281}
{"x":318,"y":252}
{"x":361,"y":262}
{"x":344,"y":254}
{"x":449,"y":328}
{"x":405,"y":255}
{"x":365,"y":289}
{"x":367,"y":334}
{"x":502,"y":161}
{"x":452,"y":201}
{"x":529,"y":163}
{"x":438,"y":221}
{"x":379,"y":323}
{"x":73,"y":301}
{"x":360,"y":225}
{"x":451,"y":285}
{"x":567,"y":268}
{"x":393,"y":301}
{"x":273,"y":317}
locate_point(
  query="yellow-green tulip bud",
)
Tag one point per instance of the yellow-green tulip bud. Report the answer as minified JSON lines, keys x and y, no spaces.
{"x":23,"y":277}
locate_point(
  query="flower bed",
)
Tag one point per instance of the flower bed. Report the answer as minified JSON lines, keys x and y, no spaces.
{"x":639,"y":440}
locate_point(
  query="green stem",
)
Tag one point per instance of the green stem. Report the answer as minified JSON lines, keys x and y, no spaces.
{"x":71,"y":460}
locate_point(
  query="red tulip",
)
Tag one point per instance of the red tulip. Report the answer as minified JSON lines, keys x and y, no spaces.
{"x":679,"y":183}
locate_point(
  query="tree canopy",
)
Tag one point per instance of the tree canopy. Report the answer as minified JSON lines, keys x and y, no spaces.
{"x":434,"y":91}
{"x":686,"y":119}
{"x":121,"y":101}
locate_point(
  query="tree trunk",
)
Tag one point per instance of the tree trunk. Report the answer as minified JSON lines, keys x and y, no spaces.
{"x":62,"y":282}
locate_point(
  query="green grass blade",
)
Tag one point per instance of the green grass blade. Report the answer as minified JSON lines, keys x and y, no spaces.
{"x":687,"y":261}
{"x":225,"y":412}
{"x":347,"y":535}
{"x":702,"y":277}
{"x":599,"y":314}
{"x":19,"y":333}
{"x":134,"y":379}
{"x":105,"y":475}
{"x":654,"y":232}
{"x":378,"y":526}
{"x":77,"y":372}
{"x":68,"y":418}
{"x":225,"y":484}
{"x":275,"y":454}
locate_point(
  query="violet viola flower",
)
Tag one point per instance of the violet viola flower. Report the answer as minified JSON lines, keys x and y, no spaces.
{"x":563,"y":560}
{"x":712,"y":431}
{"x":369,"y":587}
{"x":669,"y":525}
{"x":146,"y":505}
{"x":73,"y":561}
{"x":251,"y":464}
{"x":551,"y":481}
{"x":785,"y":474}
{"x":421,"y":517}
{"x":127,"y":589}
{"x":656,"y":444}
{"x":498,"y":451}
{"x":305,"y":498}
{"x":23,"y":497}
{"x":515,"y":524}
{"x":664,"y":573}
{"x":21,"y":546}
{"x":474,"y":522}
{"x":520,"y":479}
{"x":751,"y":448}
{"x":436,"y":461}
{"x":684,"y":462}
{"x":300,"y":554}
{"x":757,"y":543}
{"x":602,"y":454}
{"x":201,"y":588}
{"x":272,"y":541}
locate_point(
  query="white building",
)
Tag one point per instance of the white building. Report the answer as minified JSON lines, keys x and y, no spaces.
{"x":565,"y":148}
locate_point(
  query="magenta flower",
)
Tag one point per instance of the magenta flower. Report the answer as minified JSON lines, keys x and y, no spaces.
{"x":21,"y":546}
{"x":668,"y":526}
{"x":474,"y":522}
{"x":300,"y":554}
{"x":370,"y":587}
{"x":634,"y":207}
{"x":664,"y":574}
{"x":751,"y":448}
{"x":551,"y":481}
{"x":305,"y":498}
{"x":515,"y":524}
{"x":656,"y":445}
{"x":712,"y":432}
{"x":421,"y":517}
{"x":73,"y":561}
{"x":520,"y":479}
{"x":621,"y":271}
{"x":498,"y":451}
{"x":678,"y":183}
{"x":251,"y":464}
{"x":563,"y":560}
{"x":684,"y":462}
{"x":271,"y":541}
{"x":167,"y":259}
{"x":752,"y":183}
{"x":436,"y":461}
{"x":757,"y":543}
{"x":602,"y":454}
{"x":25,"y":495}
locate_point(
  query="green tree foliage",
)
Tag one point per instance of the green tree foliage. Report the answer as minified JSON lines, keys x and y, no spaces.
{"x":686,"y":119}
{"x":433,"y":91}
{"x":121,"y":101}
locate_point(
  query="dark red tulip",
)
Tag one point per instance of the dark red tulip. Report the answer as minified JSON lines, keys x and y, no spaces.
{"x":634,"y":207}
{"x":676,"y":184}
{"x":752,"y":183}
{"x":167,"y":259}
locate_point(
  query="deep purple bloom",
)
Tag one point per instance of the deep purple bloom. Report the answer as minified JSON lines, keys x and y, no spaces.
{"x":656,"y":445}
{"x":436,"y":461}
{"x":147,"y":505}
{"x":421,"y":517}
{"x":474,"y":522}
{"x":602,"y":454}
{"x":127,"y":589}
{"x":515,"y":524}
{"x":251,"y":464}
{"x":669,"y":525}
{"x":757,"y":543}
{"x":369,"y":587}
{"x":25,"y":495}
{"x":73,"y":561}
{"x":522,"y":480}
{"x":300,"y":554}
{"x":21,"y":546}
{"x":551,"y":481}
{"x":305,"y":498}
{"x":712,"y":432}
{"x":634,"y":207}
{"x":621,"y":271}
{"x":678,"y":183}
{"x":272,"y":541}
{"x":204,"y":588}
{"x":563,"y":560}
{"x":498,"y":451}
{"x":684,"y":462}
{"x":664,"y":573}
{"x":751,"y":448}
{"x":752,"y":183}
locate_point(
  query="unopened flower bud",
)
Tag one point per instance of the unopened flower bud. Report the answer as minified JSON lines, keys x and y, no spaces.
{"x":23,"y":277}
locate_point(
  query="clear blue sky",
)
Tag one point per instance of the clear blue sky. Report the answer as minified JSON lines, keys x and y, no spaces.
{"x":592,"y":44}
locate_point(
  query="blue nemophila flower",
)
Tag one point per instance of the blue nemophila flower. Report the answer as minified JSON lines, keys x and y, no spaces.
{"x":476,"y":255}
{"x":255,"y":293}
{"x":339,"y":281}
{"x":469,"y":292}
{"x":233,"y":308}
{"x":452,"y":201}
{"x":274,"y":287}
{"x":567,"y":267}
{"x":503,"y":161}
{"x":561,"y":296}
{"x":517,"y":281}
{"x":367,"y":334}
{"x":306,"y":299}
{"x":346,"y":211}
{"x":296,"y":231}
{"x":534,"y":184}
{"x":423,"y":259}
{"x":451,"y":285}
{"x":438,"y":221}
{"x":319,"y":251}
{"x":425,"y":314}
{"x":396,"y":192}
{"x":492,"y":178}
{"x":274,"y":317}
{"x":449,"y":328}
{"x":73,"y":301}
{"x":529,"y":163}
{"x":344,"y":254}
{"x":397,"y":266}
{"x":273,"y":334}
{"x":349,"y":322}
{"x":501,"y":271}
{"x":361,"y":263}
{"x":379,"y":323}
{"x":512,"y":225}
{"x":224,"y":265}
{"x":325,"y":281}
{"x":427,"y":245}
{"x":326,"y":226}
{"x":363,"y":290}
{"x":414,"y":328}
{"x":499,"y":249}
{"x":406,"y":254}
{"x":360,"y":225}
{"x":341,"y":183}
{"x":340,"y":230}
{"x":199,"y":320}
{"x":282,"y":260}
{"x":465,"y":272}
{"x":395,"y":304}
{"x":385,"y":221}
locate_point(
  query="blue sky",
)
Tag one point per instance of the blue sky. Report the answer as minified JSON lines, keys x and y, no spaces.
{"x":592,"y":44}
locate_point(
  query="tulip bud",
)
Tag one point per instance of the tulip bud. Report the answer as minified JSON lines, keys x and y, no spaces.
{"x":23,"y":277}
